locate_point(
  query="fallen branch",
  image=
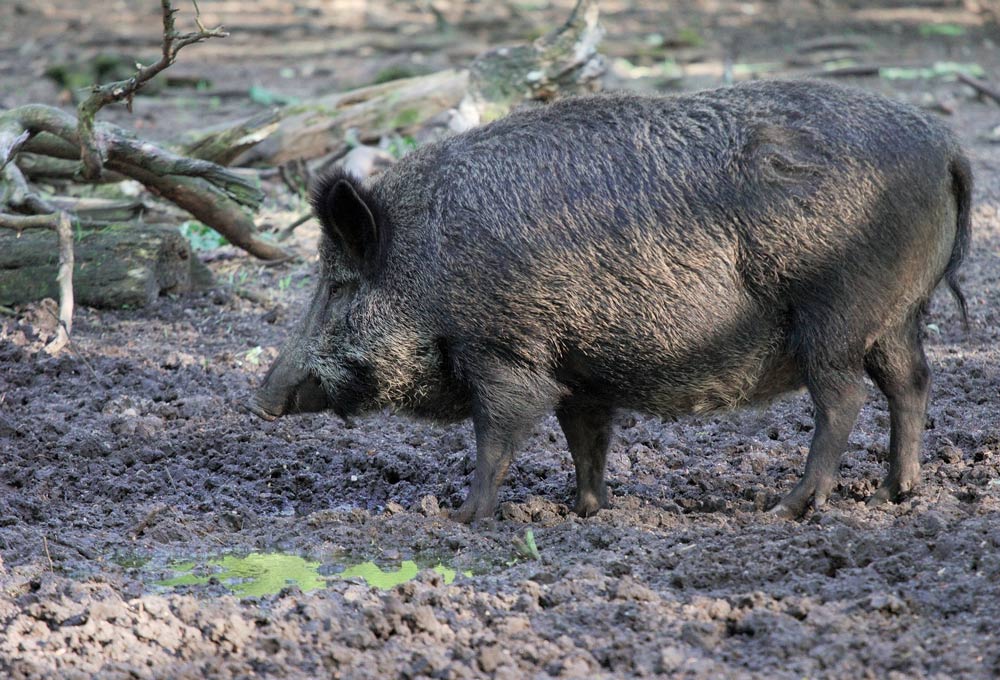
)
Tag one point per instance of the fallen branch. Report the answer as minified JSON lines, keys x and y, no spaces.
{"x":980,"y":86}
{"x":285,"y":233}
{"x":121,"y":147}
{"x":100,"y":209}
{"x":21,"y":222}
{"x":213,"y":194}
{"x":854,"y":70}
{"x":226,"y":143}
{"x":19,"y":196}
{"x":37,"y":166}
{"x":65,"y":280}
{"x":319,"y":127}
{"x":10,"y":142}
{"x":832,"y":42}
{"x":564,"y":61}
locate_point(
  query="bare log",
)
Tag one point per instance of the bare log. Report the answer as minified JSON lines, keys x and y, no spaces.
{"x":319,"y":127}
{"x":122,"y":264}
{"x":566,"y":60}
{"x":224,"y":144}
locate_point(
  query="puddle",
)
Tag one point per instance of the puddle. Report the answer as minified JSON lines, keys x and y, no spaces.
{"x":259,"y":574}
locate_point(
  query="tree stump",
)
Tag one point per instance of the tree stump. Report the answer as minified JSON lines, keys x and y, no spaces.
{"x":122,"y":265}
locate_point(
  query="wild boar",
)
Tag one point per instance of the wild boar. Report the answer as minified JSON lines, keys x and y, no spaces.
{"x":663,"y":254}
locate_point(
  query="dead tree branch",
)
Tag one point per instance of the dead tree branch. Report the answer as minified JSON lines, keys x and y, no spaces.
{"x":213,"y":194}
{"x":65,"y":280}
{"x":11,"y":142}
{"x":18,"y":195}
{"x":92,"y":144}
{"x":21,"y":222}
{"x":564,"y":61}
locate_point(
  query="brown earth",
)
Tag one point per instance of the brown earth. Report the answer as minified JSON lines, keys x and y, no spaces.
{"x":132,"y":451}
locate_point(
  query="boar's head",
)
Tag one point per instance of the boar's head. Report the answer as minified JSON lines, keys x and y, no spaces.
{"x":328,"y":362}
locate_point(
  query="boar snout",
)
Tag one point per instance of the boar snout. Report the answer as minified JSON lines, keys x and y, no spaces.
{"x":288,"y":389}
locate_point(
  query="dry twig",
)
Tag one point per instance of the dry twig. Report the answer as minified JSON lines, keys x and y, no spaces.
{"x":93,"y":150}
{"x":60,"y":223}
{"x":65,"y":279}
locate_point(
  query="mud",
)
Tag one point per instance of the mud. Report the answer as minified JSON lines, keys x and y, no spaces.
{"x":132,"y":453}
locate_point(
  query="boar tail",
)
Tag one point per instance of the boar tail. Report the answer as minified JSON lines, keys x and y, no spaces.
{"x":961,"y":177}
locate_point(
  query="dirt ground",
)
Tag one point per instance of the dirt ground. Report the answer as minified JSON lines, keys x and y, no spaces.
{"x":132,"y":452}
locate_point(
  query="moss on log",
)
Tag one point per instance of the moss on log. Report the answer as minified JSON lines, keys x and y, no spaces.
{"x":117,"y":266}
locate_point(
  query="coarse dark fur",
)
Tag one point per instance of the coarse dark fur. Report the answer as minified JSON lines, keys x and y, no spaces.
{"x":669,"y":255}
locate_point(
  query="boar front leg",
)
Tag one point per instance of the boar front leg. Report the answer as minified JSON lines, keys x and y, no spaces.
{"x":588,"y":434}
{"x":507,"y":403}
{"x":496,"y":443}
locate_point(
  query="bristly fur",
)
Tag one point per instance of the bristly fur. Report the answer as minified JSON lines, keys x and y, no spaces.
{"x":668,"y":255}
{"x":320,"y":199}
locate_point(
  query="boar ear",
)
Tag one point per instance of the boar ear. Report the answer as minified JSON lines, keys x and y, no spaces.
{"x":347,"y":212}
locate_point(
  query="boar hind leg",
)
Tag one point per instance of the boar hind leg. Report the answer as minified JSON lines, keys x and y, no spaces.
{"x":588,"y":434}
{"x":837,"y":403}
{"x":896,"y":363}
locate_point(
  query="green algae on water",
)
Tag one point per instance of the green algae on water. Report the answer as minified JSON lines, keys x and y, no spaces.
{"x":384,"y":580}
{"x":260,"y":574}
{"x":255,"y":575}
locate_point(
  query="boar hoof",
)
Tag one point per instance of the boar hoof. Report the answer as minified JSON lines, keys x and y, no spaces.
{"x":259,"y":411}
{"x":888,"y":492}
{"x":783,"y":511}
{"x":470,"y":511}
{"x":588,"y":504}
{"x":463,"y":515}
{"x":793,"y":506}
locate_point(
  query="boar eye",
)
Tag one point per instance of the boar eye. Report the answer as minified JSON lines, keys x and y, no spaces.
{"x":337,"y":290}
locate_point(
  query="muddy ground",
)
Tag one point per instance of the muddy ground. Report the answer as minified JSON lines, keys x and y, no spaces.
{"x":131,"y":453}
